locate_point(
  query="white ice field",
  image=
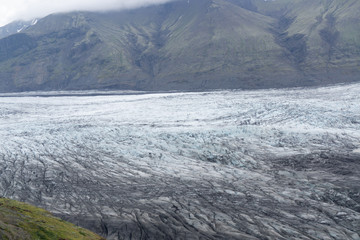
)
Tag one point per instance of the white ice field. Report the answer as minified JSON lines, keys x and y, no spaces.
{"x":229,"y":164}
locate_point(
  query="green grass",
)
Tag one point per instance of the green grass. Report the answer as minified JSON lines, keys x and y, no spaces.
{"x":23,"y":221}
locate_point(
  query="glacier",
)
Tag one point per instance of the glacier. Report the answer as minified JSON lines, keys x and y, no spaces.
{"x":264,"y":164}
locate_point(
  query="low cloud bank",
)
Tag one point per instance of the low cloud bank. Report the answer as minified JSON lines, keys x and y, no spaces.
{"x":12,"y":10}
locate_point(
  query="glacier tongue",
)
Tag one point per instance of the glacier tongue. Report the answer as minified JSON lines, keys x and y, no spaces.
{"x":228,"y":164}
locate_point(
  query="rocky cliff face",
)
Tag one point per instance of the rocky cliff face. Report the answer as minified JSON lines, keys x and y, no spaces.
{"x":188,"y":45}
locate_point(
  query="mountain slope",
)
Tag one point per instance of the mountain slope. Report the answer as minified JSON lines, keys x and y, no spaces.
{"x":15,"y":27}
{"x":22,"y":221}
{"x":322,"y":37}
{"x":188,"y":45}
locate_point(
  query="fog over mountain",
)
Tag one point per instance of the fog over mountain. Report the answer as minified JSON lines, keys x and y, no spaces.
{"x":28,"y":9}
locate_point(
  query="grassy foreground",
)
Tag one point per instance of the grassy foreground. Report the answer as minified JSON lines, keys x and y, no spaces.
{"x":23,"y":221}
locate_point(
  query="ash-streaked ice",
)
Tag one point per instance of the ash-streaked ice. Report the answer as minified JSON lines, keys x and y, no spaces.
{"x":274,"y":164}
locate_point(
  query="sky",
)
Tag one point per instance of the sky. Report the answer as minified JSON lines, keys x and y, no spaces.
{"x":11,"y":10}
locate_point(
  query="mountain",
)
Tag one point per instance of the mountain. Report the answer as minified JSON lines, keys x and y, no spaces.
{"x":15,"y":27}
{"x":22,"y":221}
{"x":188,"y":45}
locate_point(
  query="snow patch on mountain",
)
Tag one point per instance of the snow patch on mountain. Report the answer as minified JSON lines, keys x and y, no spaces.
{"x":16,"y":27}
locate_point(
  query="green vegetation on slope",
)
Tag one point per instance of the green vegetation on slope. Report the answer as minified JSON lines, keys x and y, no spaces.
{"x":20,"y":221}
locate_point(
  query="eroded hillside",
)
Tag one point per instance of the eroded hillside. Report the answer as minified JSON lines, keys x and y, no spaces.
{"x":188,"y":45}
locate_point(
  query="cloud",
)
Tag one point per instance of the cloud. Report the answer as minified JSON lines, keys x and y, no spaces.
{"x":11,"y":10}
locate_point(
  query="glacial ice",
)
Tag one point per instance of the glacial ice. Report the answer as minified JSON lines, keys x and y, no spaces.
{"x":223,"y":164}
